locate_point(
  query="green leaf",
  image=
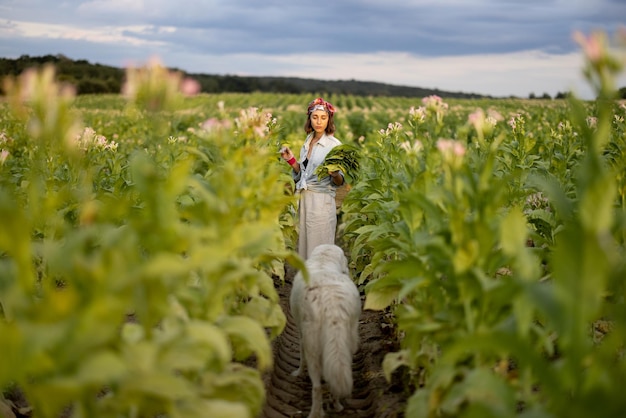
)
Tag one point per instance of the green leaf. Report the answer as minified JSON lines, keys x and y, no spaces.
{"x":484,"y":388}
{"x":248,"y":336}
{"x":379,"y":299}
{"x":141,"y":356}
{"x":418,"y":404}
{"x":213,"y":408}
{"x":237,"y":384}
{"x":164,"y":265}
{"x":344,"y":158}
{"x":394,"y":360}
{"x":132,"y":332}
{"x":513,"y":232}
{"x":156,"y":383}
{"x":101,"y":368}
{"x":267,"y":313}
{"x":597,"y":203}
{"x":465,"y":256}
{"x":200,"y":345}
{"x":58,"y":393}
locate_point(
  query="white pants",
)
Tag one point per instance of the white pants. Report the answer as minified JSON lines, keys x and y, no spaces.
{"x":318,"y":221}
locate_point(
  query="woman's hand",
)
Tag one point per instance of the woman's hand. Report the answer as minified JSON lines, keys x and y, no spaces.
{"x":337,"y":177}
{"x":288,"y":156}
{"x":286,"y":153}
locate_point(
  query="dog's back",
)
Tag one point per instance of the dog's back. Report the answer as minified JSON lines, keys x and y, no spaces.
{"x":327,"y":313}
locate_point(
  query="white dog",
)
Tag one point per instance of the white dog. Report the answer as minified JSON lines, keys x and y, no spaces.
{"x":326,"y":312}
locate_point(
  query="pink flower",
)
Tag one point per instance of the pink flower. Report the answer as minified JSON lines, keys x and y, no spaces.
{"x":452,"y":152}
{"x":214,"y":124}
{"x":477,"y":119}
{"x":434,"y":102}
{"x":211,"y":124}
{"x":431,"y":99}
{"x":190,"y":87}
{"x":621,"y":35}
{"x":592,"y":46}
{"x":450,"y":147}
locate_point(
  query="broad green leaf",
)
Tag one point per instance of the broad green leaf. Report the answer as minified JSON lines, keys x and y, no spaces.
{"x":132,"y":332}
{"x":191,"y":345}
{"x":101,"y":368}
{"x":141,"y":356}
{"x":237,"y":384}
{"x":482,"y":389}
{"x":164,"y":265}
{"x":248,"y":337}
{"x":58,"y":392}
{"x":161,"y":385}
{"x":597,"y":204}
{"x":211,"y":335}
{"x":213,"y":408}
{"x":379,"y":299}
{"x":513,"y":232}
{"x":419,"y":404}
{"x":465,"y":256}
{"x":268,"y":314}
{"x":394,"y":360}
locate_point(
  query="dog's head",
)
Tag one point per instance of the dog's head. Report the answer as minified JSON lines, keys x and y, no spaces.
{"x":331,"y":253}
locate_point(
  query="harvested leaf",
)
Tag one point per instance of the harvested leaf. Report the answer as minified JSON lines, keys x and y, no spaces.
{"x":344,"y":158}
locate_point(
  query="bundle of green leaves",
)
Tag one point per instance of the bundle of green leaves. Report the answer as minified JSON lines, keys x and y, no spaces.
{"x":344,"y":158}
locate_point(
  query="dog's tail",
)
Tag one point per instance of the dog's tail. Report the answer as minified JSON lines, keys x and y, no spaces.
{"x":337,"y":357}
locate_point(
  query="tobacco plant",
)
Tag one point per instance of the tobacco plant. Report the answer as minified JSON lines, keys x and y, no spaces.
{"x":137,"y":275}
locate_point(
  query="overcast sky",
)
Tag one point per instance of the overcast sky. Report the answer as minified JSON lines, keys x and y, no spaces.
{"x":491,"y":47}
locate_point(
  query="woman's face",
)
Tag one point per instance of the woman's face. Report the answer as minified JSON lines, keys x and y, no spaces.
{"x":319,"y":121}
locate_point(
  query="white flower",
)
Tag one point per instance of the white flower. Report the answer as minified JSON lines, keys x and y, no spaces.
{"x":412,"y":149}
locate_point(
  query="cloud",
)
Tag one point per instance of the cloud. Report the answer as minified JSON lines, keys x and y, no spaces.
{"x":133,"y":35}
{"x":465,"y":45}
{"x":112,"y":7}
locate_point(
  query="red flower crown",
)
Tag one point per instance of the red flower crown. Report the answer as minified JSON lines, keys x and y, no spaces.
{"x":320,"y":104}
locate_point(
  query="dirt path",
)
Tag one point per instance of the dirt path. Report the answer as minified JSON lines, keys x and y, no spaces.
{"x":372,"y":396}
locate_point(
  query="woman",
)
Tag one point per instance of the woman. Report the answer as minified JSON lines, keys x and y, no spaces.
{"x":317,"y":210}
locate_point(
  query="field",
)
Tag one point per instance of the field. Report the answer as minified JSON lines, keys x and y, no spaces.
{"x":148,"y":239}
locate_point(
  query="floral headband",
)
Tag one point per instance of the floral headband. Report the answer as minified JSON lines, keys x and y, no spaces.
{"x":320,"y":104}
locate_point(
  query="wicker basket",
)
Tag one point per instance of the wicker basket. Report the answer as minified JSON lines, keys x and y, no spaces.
{"x":341,"y":193}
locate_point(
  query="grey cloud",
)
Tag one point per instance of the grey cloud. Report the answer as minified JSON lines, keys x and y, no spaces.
{"x":426,"y":28}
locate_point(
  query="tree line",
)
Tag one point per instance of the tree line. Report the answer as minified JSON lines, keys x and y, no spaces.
{"x":91,"y":78}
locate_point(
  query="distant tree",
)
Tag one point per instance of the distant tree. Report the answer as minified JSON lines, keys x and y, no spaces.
{"x":92,"y":78}
{"x":279,"y":86}
{"x":92,"y":86}
{"x":208,"y":84}
{"x":114,"y":85}
{"x":234,"y":84}
{"x":621,"y":93}
{"x":532,"y":96}
{"x":546,"y":96}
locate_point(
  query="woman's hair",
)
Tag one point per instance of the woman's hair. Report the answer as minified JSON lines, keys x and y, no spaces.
{"x":320,"y":104}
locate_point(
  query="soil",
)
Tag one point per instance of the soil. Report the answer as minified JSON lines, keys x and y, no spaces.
{"x":372,"y":396}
